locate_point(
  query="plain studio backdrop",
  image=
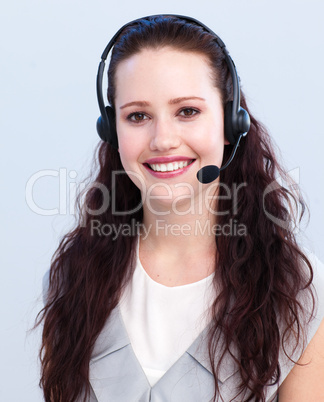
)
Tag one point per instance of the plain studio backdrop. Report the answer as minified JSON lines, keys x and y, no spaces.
{"x":50,"y":51}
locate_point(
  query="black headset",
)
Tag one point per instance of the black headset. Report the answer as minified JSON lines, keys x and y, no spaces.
{"x":236,"y":119}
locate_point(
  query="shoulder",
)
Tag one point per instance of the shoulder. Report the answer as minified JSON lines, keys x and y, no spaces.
{"x":305,"y":381}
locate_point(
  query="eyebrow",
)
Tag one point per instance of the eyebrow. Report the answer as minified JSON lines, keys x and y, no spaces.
{"x":184,"y":98}
{"x":171,"y":101}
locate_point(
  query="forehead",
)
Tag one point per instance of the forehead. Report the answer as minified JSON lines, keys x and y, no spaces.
{"x":165,"y":68}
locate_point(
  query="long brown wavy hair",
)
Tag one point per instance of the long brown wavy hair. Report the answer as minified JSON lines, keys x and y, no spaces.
{"x":260,"y":274}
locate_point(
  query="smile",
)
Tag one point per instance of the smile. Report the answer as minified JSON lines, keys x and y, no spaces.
{"x":169,"y":167}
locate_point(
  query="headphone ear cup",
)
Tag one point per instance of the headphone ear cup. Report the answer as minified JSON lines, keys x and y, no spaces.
{"x":228,"y":124}
{"x":101,"y":128}
{"x":107,"y":132}
{"x":112,"y":133}
{"x":244,"y":121}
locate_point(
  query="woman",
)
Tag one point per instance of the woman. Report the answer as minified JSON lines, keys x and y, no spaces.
{"x":171,"y":289}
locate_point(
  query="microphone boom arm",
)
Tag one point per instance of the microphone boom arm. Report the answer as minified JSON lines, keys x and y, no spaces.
{"x":233,"y":152}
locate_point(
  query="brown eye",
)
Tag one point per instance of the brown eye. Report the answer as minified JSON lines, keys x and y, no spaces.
{"x":188,"y":112}
{"x":137,"y":117}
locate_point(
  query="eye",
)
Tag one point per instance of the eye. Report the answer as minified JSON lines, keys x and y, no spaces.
{"x":188,"y":112}
{"x":137,"y":117}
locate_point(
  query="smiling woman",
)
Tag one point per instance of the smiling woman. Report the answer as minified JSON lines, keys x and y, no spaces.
{"x":182,"y":290}
{"x":164,"y":129}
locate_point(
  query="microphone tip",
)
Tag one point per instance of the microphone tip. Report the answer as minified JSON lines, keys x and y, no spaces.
{"x":207,"y":174}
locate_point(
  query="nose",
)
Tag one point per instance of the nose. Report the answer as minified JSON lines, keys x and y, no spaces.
{"x":165,"y":136}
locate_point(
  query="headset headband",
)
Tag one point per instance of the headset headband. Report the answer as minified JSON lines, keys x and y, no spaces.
{"x":228,"y":59}
{"x":237,"y":120}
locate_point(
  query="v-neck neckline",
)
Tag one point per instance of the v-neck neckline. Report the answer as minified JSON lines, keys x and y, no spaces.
{"x":116,"y":374}
{"x":115,"y":337}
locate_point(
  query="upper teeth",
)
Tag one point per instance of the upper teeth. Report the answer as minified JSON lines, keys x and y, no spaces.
{"x":168,"y":167}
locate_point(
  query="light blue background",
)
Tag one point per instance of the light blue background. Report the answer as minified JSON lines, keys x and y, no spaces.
{"x":50,"y":52}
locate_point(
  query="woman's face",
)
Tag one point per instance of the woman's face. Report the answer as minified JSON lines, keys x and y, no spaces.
{"x":170,"y":122}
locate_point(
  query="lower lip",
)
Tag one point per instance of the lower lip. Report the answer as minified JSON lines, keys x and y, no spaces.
{"x":168,"y":175}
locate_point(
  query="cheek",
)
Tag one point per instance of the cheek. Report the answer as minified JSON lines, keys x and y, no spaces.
{"x":130,"y":142}
{"x":127,"y":145}
{"x":211,"y":138}
{"x":129,"y":162}
{"x":129,"y":152}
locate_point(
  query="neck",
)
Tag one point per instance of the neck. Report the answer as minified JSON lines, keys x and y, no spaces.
{"x":188,"y":232}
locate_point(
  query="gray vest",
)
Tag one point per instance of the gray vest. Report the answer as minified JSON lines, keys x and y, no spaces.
{"x":117,"y":376}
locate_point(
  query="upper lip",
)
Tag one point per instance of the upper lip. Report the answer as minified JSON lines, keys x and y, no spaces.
{"x":168,"y":159}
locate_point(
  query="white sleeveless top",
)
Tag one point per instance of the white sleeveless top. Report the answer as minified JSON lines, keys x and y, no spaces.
{"x":161,"y":321}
